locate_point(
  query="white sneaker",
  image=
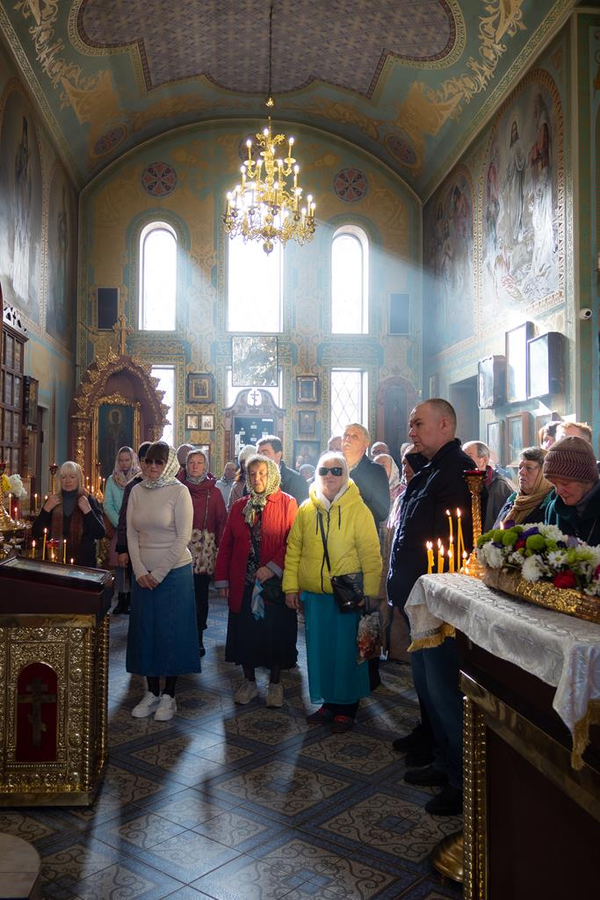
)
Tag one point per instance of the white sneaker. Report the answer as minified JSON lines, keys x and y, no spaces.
{"x":246,"y":692}
{"x":166,"y":708}
{"x":275,"y":695}
{"x":146,"y":706}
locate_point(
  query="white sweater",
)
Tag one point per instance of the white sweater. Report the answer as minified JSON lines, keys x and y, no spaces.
{"x":159,"y":529}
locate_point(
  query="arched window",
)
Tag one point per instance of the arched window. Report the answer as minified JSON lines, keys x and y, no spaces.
{"x":158,"y":277}
{"x":254,"y":287}
{"x":350,"y":281}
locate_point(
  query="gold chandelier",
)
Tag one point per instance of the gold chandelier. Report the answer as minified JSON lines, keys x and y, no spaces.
{"x":267,"y":204}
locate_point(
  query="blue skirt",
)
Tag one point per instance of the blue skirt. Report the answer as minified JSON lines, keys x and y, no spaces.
{"x":163,"y":635}
{"x":334,"y":676}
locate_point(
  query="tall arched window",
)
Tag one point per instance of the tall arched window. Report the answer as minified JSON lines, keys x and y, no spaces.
{"x":158,"y":277}
{"x":254,"y":287}
{"x":350,"y":281}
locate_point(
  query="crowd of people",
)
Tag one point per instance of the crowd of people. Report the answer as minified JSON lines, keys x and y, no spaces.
{"x":277,"y":542}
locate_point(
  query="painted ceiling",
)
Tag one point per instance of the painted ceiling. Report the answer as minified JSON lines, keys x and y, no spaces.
{"x":409,"y":81}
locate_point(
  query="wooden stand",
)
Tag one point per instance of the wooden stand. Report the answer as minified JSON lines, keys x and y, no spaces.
{"x":54,"y":682}
{"x":532,"y":822}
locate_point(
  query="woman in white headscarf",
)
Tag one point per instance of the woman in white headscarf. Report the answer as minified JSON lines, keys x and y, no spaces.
{"x":162,"y":638}
{"x":127,"y":467}
{"x":261,"y":630}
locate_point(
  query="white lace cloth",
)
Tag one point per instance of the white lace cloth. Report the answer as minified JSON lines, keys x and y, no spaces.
{"x":561,"y":650}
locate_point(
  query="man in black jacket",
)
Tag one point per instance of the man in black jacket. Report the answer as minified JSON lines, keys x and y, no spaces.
{"x":438,"y":485}
{"x":369,"y":478}
{"x":292,"y":482}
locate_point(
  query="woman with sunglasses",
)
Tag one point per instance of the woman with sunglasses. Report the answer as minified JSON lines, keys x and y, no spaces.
{"x":333,"y":534}
{"x":163,"y":637}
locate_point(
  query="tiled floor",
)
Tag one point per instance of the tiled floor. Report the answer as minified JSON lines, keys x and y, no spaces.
{"x":243,"y":803}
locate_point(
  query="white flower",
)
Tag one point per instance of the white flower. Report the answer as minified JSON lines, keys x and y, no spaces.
{"x":17,"y":487}
{"x":557,"y":559}
{"x":550,"y":532}
{"x":493,"y":556}
{"x":531,"y":570}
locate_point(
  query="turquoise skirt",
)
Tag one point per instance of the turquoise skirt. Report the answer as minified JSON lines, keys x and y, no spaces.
{"x":334,"y":676}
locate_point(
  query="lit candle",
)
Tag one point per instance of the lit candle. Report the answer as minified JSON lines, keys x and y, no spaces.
{"x":429,"y":545}
{"x":451,"y":555}
{"x":35,"y":503}
{"x":440,"y":561}
{"x":450,"y":532}
{"x":33,"y":549}
{"x":72,"y":560}
{"x":44,"y":543}
{"x":460,"y":542}
{"x":465,"y":566}
{"x":64,"y":551}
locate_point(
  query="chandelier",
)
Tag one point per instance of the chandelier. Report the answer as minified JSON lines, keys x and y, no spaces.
{"x":267,"y":204}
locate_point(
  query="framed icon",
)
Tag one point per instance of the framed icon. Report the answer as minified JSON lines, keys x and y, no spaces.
{"x":191,"y":421}
{"x":516,"y":362}
{"x":200,"y":387}
{"x":307,"y":389}
{"x":307,"y":421}
{"x":207,"y":423}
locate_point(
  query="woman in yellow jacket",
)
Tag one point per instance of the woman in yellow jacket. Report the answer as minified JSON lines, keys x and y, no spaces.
{"x":334,"y":517}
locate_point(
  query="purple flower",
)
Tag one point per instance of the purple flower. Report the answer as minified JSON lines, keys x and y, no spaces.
{"x":529,"y":532}
{"x":572,"y":541}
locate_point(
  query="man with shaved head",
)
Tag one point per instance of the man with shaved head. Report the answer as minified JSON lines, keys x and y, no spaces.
{"x":438,"y":484}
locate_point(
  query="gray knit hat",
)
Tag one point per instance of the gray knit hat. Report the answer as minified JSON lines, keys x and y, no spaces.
{"x":571,"y":458}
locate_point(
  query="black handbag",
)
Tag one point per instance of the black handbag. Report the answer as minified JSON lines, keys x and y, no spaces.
{"x":271,"y":590}
{"x":347,"y":589}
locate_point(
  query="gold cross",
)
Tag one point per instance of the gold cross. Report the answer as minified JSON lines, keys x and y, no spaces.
{"x":35,"y":696}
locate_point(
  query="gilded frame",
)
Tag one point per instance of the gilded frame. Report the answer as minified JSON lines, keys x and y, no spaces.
{"x":116,"y":400}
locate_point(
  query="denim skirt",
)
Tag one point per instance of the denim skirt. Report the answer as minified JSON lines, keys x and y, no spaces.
{"x":163,"y":636}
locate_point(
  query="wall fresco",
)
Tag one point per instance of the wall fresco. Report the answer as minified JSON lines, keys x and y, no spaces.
{"x":449,"y":259}
{"x":21,"y":203}
{"x":62,"y":259}
{"x":520,"y":216}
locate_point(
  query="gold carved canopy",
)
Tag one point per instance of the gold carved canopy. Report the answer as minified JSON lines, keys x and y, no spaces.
{"x":119,"y":382}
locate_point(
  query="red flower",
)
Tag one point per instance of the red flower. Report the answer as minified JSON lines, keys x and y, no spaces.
{"x":564,"y":580}
{"x":520,"y":543}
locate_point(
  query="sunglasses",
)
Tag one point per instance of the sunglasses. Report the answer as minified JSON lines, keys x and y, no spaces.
{"x":335,"y":470}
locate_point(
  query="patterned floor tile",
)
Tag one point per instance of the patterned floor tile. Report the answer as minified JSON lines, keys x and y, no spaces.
{"x":140,"y":830}
{"x":194,"y":704}
{"x":187,"y":856}
{"x":283,"y":788}
{"x":123,"y":727}
{"x":247,"y":879}
{"x":184,"y":767}
{"x":391,"y":825}
{"x":330,"y":871}
{"x":189,"y":808}
{"x":29,"y":828}
{"x":186,"y":893}
{"x":225,"y":754}
{"x":271,"y":726}
{"x":76,"y":859}
{"x":128,"y":880}
{"x":354,"y":751}
{"x":239,"y":829}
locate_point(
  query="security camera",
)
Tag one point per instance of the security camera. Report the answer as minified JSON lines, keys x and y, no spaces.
{"x":585,"y":313}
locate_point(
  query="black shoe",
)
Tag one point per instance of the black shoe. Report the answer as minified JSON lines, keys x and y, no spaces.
{"x":402,"y":744}
{"x":419,"y":756}
{"x":448,"y":802}
{"x":429,"y":777}
{"x":122,"y":607}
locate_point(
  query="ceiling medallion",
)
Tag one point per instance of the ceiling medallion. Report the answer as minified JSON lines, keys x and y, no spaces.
{"x":266,"y":206}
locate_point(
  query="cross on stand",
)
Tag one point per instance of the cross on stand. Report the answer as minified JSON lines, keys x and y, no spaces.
{"x":121,"y":330}
{"x":35,"y":695}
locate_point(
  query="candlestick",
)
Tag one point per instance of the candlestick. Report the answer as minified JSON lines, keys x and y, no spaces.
{"x":475,"y":479}
{"x":44,"y":544}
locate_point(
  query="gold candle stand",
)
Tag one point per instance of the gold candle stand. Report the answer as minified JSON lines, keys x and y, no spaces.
{"x":475,"y":479}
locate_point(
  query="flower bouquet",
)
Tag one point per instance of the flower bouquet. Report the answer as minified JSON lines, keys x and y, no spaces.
{"x":368,"y":638}
{"x":540,"y":564}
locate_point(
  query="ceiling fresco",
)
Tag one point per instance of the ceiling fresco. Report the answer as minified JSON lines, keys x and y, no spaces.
{"x":409,"y":81}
